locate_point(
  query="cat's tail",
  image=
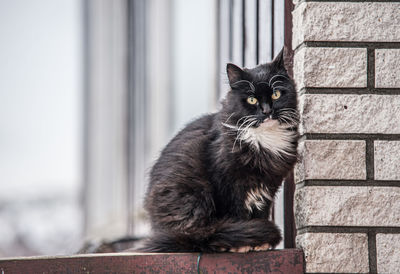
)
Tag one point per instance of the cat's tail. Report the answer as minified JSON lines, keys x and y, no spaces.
{"x":224,"y":235}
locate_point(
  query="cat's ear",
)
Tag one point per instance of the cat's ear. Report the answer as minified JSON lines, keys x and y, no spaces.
{"x":234,"y":73}
{"x":278,"y":62}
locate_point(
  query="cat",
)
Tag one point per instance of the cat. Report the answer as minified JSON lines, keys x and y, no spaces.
{"x":213,"y":185}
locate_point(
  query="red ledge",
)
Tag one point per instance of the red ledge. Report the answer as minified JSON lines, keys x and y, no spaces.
{"x":274,"y":261}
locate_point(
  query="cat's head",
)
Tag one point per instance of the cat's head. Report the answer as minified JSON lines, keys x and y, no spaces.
{"x":261,"y":95}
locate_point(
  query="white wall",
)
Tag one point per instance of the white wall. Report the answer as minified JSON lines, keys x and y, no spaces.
{"x":40,"y":102}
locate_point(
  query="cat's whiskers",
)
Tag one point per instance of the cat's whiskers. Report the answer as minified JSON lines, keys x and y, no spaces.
{"x":288,"y":122}
{"x":244,"y":117}
{"x":226,"y":121}
{"x":244,"y":124}
{"x":244,"y":128}
{"x":230,"y":133}
{"x":273,"y":84}
{"x":288,"y":110}
{"x":291,"y":116}
{"x":282,"y":87}
{"x":288,"y":116}
{"x":249,"y":121}
{"x":238,"y":130}
{"x":234,"y":131}
{"x":252,"y":87}
{"x":244,"y":131}
{"x":284,"y":120}
{"x":276,"y":76}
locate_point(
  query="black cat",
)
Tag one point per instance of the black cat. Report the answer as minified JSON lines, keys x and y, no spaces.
{"x":212,"y":187}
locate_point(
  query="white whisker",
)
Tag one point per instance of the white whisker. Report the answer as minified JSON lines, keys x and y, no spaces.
{"x":247,"y":121}
{"x":226,"y":121}
{"x":244,"y":131}
{"x":273,"y":84}
{"x":282,"y":87}
{"x":229,"y":126}
{"x":275,"y":76}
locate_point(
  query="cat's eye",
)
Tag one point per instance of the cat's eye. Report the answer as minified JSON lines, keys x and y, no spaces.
{"x":251,"y":100}
{"x":276,"y":94}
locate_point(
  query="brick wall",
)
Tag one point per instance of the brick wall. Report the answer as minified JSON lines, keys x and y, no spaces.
{"x":347,"y":70}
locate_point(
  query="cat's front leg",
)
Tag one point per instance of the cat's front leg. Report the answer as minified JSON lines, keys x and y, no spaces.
{"x":262,"y":235}
{"x":245,"y":249}
{"x":263,"y":247}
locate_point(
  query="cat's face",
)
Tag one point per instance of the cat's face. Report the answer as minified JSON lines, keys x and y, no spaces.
{"x":262,"y":95}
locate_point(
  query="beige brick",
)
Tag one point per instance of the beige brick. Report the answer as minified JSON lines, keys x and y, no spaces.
{"x":341,"y":113}
{"x":331,"y":159}
{"x":330,"y":67}
{"x":347,"y":206}
{"x":335,"y":252}
{"x":344,"y":21}
{"x":387,"y":160}
{"x":387,"y":64}
{"x":388,"y":253}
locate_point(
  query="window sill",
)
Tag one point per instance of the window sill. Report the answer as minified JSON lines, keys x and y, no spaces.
{"x":274,"y":261}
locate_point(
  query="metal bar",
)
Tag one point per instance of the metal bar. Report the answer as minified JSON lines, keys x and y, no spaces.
{"x":264,"y":33}
{"x":86,"y":110}
{"x":223,"y":45}
{"x":272,"y":28}
{"x":258,"y":31}
{"x":137,"y":103}
{"x":289,"y":222}
{"x":251,"y":28}
{"x":218,"y":41}
{"x":106,"y":159}
{"x":237,"y":42}
{"x":289,"y":185}
{"x":279,"y":26}
{"x":243,"y":32}
{"x":230,"y":29}
{"x":130,"y":120}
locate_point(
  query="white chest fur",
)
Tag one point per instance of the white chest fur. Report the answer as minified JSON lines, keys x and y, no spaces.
{"x":257,"y":198}
{"x":272,"y":136}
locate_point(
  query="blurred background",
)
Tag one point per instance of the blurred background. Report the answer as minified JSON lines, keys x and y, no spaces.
{"x":90,"y":92}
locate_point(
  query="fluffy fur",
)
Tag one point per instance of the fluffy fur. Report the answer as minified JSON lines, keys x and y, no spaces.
{"x":213,"y":185}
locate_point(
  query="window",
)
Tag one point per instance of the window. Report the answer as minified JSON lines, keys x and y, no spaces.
{"x":143,"y":58}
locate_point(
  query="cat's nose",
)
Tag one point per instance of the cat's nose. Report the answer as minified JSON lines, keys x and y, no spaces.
{"x":266,"y":109}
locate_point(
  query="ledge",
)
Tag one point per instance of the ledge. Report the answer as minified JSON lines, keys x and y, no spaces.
{"x":274,"y":261}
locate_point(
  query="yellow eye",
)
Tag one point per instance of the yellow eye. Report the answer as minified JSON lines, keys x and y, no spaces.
{"x":251,"y":100}
{"x":276,"y":94}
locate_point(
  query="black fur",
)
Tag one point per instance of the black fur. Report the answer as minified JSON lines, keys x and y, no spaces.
{"x":199,"y":184}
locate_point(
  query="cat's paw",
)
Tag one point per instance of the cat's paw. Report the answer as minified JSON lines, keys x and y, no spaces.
{"x":242,"y":249}
{"x":263,"y":247}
